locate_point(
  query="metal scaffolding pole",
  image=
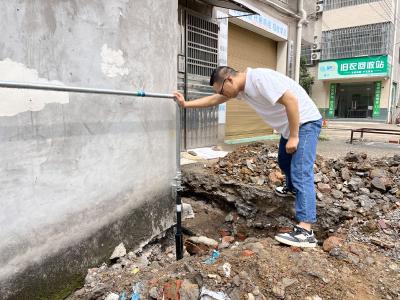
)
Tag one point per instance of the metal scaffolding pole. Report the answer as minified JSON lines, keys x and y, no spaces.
{"x":177,"y":184}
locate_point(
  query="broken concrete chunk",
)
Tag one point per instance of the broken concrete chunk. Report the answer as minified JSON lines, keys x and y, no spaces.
{"x":189,"y":291}
{"x":119,"y":251}
{"x":324,"y":188}
{"x":187,"y":211}
{"x":112,"y":296}
{"x":205,"y":241}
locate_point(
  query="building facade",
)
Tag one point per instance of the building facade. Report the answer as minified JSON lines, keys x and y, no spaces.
{"x":81,"y":173}
{"x":241,"y":34}
{"x":354,"y":58}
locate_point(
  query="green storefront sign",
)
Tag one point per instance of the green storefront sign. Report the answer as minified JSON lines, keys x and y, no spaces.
{"x":332,"y":97}
{"x":377,"y":99}
{"x":370,"y":66}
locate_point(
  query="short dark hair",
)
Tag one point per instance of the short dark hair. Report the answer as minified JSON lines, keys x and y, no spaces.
{"x":220,"y":73}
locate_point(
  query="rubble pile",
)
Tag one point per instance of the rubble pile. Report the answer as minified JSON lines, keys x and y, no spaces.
{"x":252,"y":269}
{"x":255,"y":163}
{"x":233,"y":215}
{"x":351,"y":190}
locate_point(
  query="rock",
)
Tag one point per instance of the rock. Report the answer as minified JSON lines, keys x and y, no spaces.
{"x":187,"y":211}
{"x":337,"y":194}
{"x":250,"y":296}
{"x":261,"y":180}
{"x":355,"y":183}
{"x":119,"y":251}
{"x":245,"y":209}
{"x":247,"y":253}
{"x":318,"y":177}
{"x":345,"y":173}
{"x":229,"y":217}
{"x":353,"y":157}
{"x":189,"y":291}
{"x":363,"y":167}
{"x":378,"y":183}
{"x":315,"y":297}
{"x":325,"y":179}
{"x":112,"y":296}
{"x":256,"y":291}
{"x":381,"y":243}
{"x":337,"y":253}
{"x":349,"y":205}
{"x":153,"y":293}
{"x":286,"y":282}
{"x":98,"y":292}
{"x":382,"y":224}
{"x":256,"y":247}
{"x":365,"y":201}
{"x":275,"y":178}
{"x":364,"y":191}
{"x":228,"y":239}
{"x":320,"y":196}
{"x":236,"y":280}
{"x":279,"y":291}
{"x":324,"y":188}
{"x":251,"y":165}
{"x":205,"y":241}
{"x":331,"y":242}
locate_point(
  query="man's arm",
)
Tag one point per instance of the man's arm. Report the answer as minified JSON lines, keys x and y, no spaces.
{"x":289,"y":100}
{"x":207,"y":101}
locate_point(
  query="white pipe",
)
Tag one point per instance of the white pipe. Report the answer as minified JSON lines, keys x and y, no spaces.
{"x":391,"y":109}
{"x":300,"y":23}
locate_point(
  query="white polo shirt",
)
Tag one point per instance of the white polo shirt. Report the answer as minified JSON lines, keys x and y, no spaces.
{"x":264,"y":87}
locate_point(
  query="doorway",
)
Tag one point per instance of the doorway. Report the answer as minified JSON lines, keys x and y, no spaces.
{"x":355,"y":100}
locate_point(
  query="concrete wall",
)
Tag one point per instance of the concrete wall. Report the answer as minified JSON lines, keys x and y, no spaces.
{"x":369,"y":13}
{"x":81,"y":173}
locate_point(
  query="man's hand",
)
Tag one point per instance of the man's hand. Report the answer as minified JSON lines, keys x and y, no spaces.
{"x":180,"y":99}
{"x":291,"y":145}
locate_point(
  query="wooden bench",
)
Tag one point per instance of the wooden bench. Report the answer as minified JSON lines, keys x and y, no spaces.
{"x":373,"y":130}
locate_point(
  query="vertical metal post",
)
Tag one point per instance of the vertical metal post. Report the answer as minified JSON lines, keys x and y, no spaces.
{"x":178,"y":188}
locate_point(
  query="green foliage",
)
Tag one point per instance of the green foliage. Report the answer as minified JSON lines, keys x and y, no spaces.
{"x":306,"y":80}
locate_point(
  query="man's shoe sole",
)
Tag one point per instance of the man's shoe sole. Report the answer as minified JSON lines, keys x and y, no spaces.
{"x":296,"y":244}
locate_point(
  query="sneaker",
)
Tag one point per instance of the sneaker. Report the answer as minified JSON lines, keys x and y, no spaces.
{"x":283,"y":191}
{"x":299,"y":237}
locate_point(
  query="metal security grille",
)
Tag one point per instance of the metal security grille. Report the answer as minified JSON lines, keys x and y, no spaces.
{"x":333,"y":4}
{"x":306,"y":51}
{"x":202,"y":46}
{"x":199,"y":43}
{"x":373,"y":39}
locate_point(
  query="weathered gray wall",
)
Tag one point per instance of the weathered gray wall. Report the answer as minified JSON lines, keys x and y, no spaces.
{"x":81,"y":173}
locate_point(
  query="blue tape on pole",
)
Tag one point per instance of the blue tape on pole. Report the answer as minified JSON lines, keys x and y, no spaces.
{"x":141,"y":94}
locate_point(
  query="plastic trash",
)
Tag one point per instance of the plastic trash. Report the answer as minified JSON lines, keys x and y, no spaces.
{"x":214,"y":256}
{"x":123,"y":296}
{"x":136,"y":291}
{"x":207,"y":294}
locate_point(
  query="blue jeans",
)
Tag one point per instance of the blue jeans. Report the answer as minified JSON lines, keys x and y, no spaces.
{"x":299,"y":170}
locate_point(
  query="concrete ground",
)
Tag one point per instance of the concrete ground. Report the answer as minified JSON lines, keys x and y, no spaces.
{"x":335,"y":139}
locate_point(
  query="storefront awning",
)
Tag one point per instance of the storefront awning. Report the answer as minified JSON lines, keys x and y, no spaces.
{"x":230,"y":4}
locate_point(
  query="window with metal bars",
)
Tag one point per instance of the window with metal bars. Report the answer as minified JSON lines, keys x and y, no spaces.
{"x":306,"y":51}
{"x":333,"y":4}
{"x":372,"y":39}
{"x":202,"y":46}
